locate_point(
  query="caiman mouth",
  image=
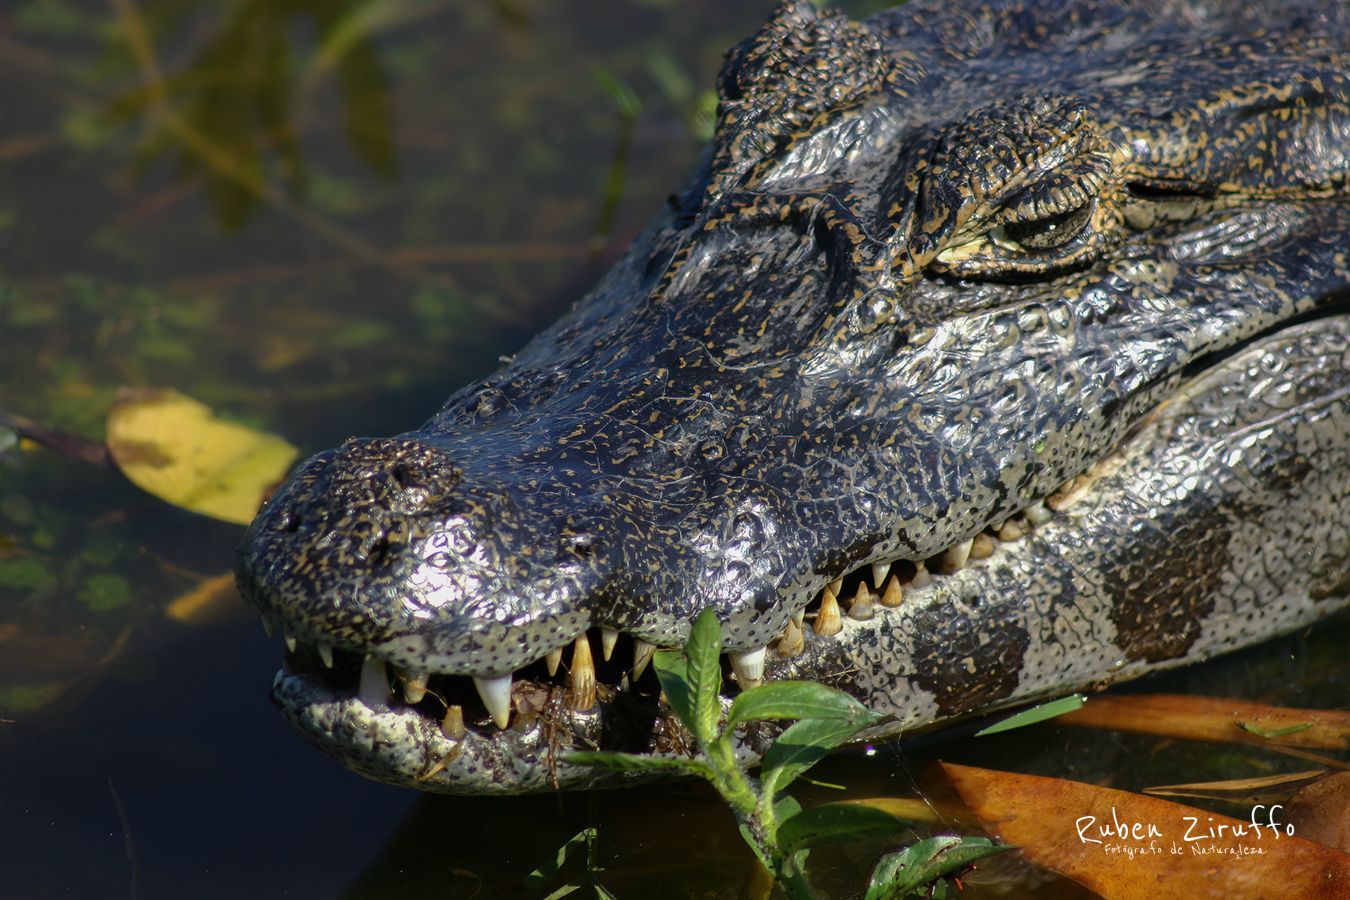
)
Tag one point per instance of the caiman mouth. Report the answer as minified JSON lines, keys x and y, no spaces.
{"x":456,"y":733}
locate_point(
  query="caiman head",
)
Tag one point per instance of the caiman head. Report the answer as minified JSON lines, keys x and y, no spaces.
{"x":937,"y":265}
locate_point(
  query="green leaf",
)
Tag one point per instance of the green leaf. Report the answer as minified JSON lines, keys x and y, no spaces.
{"x":833,"y":823}
{"x":900,"y":874}
{"x":635,"y":762}
{"x":795,"y":700}
{"x":1036,"y":714}
{"x":547,"y":872}
{"x":704,"y":652}
{"x":801,"y":746}
{"x":1274,"y":732}
{"x":672,"y":670}
{"x":785,"y":807}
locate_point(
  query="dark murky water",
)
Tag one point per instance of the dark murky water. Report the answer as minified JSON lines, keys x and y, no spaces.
{"x":322,"y":216}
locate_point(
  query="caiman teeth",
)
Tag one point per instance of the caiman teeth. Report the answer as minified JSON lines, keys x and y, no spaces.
{"x":748,"y":666}
{"x":581,"y":676}
{"x":268,"y":628}
{"x":861,"y":608}
{"x":981,"y":546}
{"x":921,"y":577}
{"x":642,"y":655}
{"x":552,"y":661}
{"x":879,"y":572}
{"x":792,"y":640}
{"x":496,"y":696}
{"x":837,"y":586}
{"x":290,"y":642}
{"x":374,"y":687}
{"x":1010,"y":531}
{"x":799,"y":618}
{"x":452,"y":726}
{"x":893,"y":595}
{"x":326,"y":654}
{"x":1037,"y":514}
{"x":414,"y":684}
{"x":954,"y":557}
{"x":828,"y":621}
{"x":608,"y":638}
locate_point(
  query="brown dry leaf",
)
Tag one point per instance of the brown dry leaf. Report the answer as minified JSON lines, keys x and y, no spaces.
{"x":1321,"y":811}
{"x":1126,"y":846}
{"x":1215,"y":719}
{"x":174,"y":447}
{"x":214,"y":601}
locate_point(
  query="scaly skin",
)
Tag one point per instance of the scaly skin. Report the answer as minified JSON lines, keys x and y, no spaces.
{"x":942,"y":265}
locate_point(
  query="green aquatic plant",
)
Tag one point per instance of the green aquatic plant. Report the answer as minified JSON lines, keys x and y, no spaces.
{"x":775,"y":826}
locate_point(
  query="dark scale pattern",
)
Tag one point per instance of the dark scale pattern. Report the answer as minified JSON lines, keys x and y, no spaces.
{"x":940,"y":263}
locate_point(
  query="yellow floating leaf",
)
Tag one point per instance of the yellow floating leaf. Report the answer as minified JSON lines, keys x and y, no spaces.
{"x":174,"y":447}
{"x":214,"y":601}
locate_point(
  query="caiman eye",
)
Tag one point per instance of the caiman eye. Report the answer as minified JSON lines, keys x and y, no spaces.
{"x":1049,"y":233}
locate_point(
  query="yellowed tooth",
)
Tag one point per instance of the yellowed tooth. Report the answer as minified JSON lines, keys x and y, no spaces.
{"x":981,"y":546}
{"x":496,"y":696}
{"x":879,"y":572}
{"x":1011,"y":530}
{"x":552,"y":660}
{"x":792,"y":640}
{"x":828,"y":620}
{"x":799,"y":619}
{"x":414,"y":684}
{"x":954,"y":557}
{"x":893,"y":594}
{"x":1037,"y":514}
{"x":837,"y":586}
{"x":861,"y":609}
{"x":642,"y":655}
{"x":290,"y":642}
{"x":581,"y":676}
{"x":452,"y":726}
{"x":748,"y":665}
{"x":326,"y":654}
{"x":608,"y":638}
{"x":921,"y":577}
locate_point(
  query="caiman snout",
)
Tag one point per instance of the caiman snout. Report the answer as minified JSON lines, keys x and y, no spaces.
{"x":386,"y":545}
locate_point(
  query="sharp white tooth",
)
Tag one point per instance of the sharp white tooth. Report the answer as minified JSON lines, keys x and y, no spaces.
{"x":452,"y":726}
{"x":608,"y":638}
{"x":290,"y":642}
{"x":326,"y":654}
{"x":921,"y":577}
{"x":374,"y":687}
{"x":414,"y":685}
{"x":861,"y":608}
{"x":552,"y":661}
{"x":1037,"y":514}
{"x":268,"y":628}
{"x":791,"y":642}
{"x":581,"y":676}
{"x":828,"y":620}
{"x":642,"y":655}
{"x":954,"y":557}
{"x":893,"y":595}
{"x":496,"y":696}
{"x":748,"y":666}
{"x":879,"y":572}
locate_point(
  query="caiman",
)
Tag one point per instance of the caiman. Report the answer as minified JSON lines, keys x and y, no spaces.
{"x":997,"y":350}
